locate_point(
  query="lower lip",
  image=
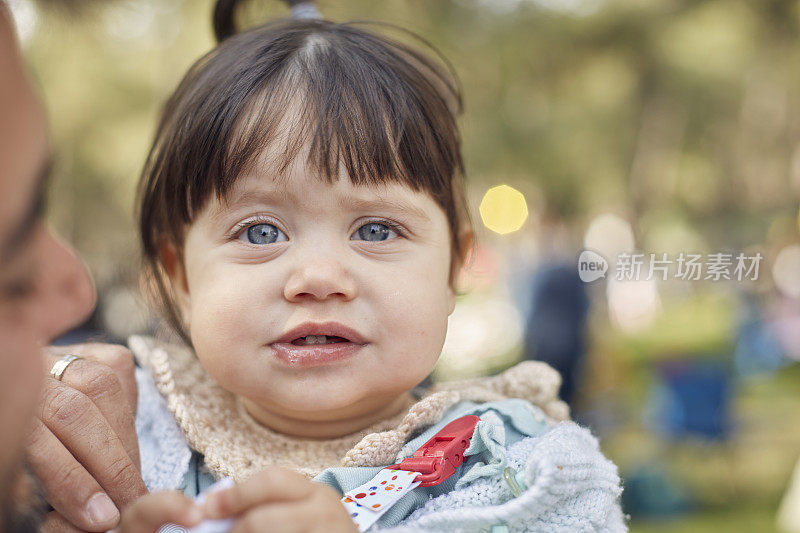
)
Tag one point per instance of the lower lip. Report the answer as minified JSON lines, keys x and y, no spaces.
{"x":314,"y":354}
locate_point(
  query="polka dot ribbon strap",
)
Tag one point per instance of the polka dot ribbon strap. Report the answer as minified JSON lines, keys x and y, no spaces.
{"x":431,"y":464}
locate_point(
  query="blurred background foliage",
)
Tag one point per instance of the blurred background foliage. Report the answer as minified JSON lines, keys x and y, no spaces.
{"x":662,"y":127}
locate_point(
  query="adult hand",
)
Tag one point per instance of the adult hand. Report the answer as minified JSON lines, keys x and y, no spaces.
{"x":83,"y":445}
{"x":285,"y":501}
{"x":150,"y":512}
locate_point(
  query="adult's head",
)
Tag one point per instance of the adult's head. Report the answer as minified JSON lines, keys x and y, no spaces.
{"x":44,"y":288}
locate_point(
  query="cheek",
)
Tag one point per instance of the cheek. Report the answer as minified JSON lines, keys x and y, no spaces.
{"x":416,"y":308}
{"x":229,"y":319}
{"x":225,"y":296}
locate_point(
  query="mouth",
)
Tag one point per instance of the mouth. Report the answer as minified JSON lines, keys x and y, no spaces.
{"x":309,"y":340}
{"x":310,"y":333}
{"x":317,"y":344}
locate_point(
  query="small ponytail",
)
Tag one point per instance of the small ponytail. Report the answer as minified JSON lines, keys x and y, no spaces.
{"x":224,"y":11}
{"x":224,"y":25}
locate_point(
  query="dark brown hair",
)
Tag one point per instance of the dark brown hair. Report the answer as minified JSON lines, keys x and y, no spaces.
{"x":366,"y":103}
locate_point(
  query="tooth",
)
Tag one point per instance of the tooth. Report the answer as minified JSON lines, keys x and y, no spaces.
{"x":316,"y":339}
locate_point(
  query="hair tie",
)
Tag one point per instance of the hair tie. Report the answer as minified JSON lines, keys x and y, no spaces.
{"x":305,"y":10}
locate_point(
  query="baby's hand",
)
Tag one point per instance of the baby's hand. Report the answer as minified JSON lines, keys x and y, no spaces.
{"x":280,"y":500}
{"x":149,"y":513}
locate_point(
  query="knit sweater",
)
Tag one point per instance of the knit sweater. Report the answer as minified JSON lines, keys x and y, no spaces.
{"x":571,"y":486}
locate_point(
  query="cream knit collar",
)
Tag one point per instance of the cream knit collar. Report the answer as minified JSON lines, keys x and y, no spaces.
{"x":234,"y":444}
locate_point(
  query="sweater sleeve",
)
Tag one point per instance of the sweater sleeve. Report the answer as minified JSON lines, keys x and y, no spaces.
{"x":571,"y":487}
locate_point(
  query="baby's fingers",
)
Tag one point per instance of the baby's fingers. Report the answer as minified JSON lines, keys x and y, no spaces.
{"x":281,"y":518}
{"x":152,"y":511}
{"x":275,"y":484}
{"x":322,"y":512}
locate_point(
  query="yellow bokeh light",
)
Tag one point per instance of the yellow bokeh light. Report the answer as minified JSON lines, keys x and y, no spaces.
{"x":503,"y":209}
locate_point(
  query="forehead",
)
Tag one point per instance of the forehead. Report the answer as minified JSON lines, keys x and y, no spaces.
{"x":23,"y":135}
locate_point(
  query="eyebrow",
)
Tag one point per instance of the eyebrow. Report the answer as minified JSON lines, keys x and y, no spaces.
{"x":16,"y":238}
{"x":397,"y":206}
{"x":356,"y":204}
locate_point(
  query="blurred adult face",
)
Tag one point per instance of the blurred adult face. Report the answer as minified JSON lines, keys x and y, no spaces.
{"x":44,"y":288}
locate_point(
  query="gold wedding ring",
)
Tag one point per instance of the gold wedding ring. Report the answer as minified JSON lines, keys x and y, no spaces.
{"x":61,"y":365}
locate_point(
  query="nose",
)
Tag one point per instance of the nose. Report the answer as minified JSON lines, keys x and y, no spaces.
{"x":320,"y":279}
{"x":65,"y":291}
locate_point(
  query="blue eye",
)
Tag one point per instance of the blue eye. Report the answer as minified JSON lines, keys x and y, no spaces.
{"x":262,"y":234}
{"x":374,"y":231}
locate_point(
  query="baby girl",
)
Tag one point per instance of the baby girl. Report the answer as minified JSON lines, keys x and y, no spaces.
{"x":303,"y":220}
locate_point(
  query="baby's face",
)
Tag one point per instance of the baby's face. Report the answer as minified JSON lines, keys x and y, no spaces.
{"x":365,"y":267}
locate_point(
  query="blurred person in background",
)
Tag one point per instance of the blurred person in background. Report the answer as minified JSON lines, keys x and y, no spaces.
{"x":77,"y":423}
{"x":556,"y":328}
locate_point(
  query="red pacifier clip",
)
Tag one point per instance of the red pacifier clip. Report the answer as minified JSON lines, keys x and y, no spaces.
{"x":438,"y":458}
{"x":433,"y":463}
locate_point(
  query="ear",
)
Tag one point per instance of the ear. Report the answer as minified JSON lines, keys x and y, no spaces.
{"x":451,"y":300}
{"x":173,"y":267}
{"x":467,"y":241}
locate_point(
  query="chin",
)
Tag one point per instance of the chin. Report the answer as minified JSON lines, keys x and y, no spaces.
{"x":332,"y":401}
{"x":22,"y":504}
{"x":316,"y":404}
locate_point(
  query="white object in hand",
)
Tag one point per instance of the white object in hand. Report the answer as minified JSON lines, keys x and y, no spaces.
{"x":214,"y":526}
{"x":206,"y":526}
